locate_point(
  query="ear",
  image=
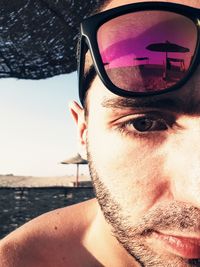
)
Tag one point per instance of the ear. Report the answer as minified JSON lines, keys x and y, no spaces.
{"x":78,"y":115}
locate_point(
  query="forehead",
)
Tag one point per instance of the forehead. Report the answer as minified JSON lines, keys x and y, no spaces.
{"x":116,"y":3}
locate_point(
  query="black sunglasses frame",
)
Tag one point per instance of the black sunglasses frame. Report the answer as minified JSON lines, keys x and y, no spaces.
{"x":88,"y":41}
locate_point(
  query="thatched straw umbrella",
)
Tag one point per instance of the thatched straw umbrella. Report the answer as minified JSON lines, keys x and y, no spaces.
{"x":39,"y":38}
{"x":77,"y":159}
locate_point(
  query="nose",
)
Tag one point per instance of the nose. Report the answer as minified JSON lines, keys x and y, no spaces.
{"x":183,"y":163}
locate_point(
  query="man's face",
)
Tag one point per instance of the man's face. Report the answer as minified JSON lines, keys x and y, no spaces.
{"x":144,"y":158}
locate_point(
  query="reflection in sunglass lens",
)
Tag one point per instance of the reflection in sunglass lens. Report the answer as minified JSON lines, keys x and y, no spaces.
{"x":147,"y":51}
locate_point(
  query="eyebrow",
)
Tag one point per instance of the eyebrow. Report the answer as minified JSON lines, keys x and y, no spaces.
{"x":175,"y":105}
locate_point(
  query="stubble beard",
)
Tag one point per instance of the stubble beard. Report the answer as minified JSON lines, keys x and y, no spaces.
{"x":175,"y":216}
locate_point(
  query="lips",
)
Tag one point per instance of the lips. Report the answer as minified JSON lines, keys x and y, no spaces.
{"x":188,"y":248}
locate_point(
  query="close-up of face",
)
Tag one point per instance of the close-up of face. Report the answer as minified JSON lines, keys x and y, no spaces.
{"x":144,"y":159}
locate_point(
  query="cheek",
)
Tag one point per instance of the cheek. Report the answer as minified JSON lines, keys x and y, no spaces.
{"x":131,"y":170}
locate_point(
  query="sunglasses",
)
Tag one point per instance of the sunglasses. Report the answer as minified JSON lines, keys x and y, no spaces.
{"x":141,"y":49}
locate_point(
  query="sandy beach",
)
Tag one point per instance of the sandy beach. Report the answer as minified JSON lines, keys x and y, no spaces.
{"x":30,"y":181}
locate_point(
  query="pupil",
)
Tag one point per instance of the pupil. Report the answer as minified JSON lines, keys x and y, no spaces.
{"x":143,"y":124}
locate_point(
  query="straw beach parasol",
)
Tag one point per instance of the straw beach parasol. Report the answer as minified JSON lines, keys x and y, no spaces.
{"x":39,"y":38}
{"x":77,"y":159}
{"x":167,"y":47}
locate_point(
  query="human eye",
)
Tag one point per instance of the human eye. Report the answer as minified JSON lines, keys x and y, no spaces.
{"x":145,"y":124}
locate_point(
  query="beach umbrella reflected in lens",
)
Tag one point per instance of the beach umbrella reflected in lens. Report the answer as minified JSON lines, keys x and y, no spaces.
{"x":167,"y":47}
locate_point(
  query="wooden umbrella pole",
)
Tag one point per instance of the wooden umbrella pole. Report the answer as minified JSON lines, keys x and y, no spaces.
{"x":165,"y":71}
{"x":77,"y":176}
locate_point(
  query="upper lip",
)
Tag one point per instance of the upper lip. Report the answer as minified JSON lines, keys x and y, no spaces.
{"x":190,"y":238}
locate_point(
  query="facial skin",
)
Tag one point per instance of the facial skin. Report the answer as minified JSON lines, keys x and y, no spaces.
{"x":147,"y":181}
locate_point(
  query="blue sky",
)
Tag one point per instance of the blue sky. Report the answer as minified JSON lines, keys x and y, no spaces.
{"x":36,"y":129}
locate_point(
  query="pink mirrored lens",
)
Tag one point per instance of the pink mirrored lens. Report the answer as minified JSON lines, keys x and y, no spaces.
{"x":148,"y":50}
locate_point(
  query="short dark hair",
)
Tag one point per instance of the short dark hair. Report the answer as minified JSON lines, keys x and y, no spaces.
{"x":100,"y":6}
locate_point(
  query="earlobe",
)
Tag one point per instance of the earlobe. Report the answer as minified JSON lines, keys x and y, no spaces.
{"x":78,"y":115}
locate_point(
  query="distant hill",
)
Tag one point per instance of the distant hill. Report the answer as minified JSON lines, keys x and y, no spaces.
{"x":30,"y":181}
